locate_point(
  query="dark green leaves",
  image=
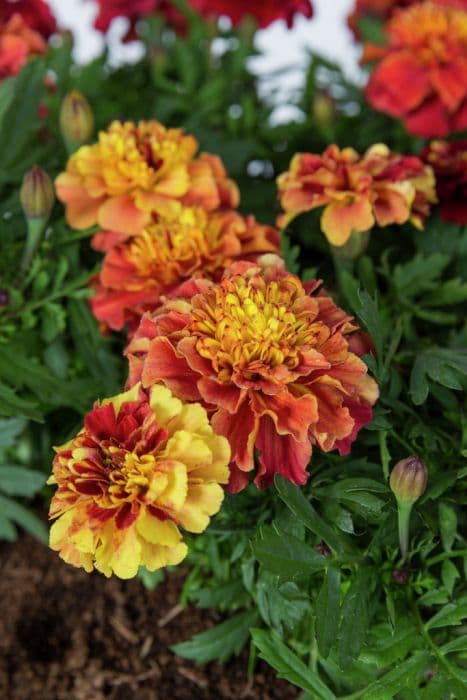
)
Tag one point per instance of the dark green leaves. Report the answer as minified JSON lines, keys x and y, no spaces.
{"x":286,"y":555}
{"x":443,"y":366}
{"x":219,"y":642}
{"x":328,"y":611}
{"x":288,"y":665}
{"x":354,"y":622}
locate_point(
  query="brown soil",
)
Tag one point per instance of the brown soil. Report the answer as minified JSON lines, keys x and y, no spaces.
{"x":68,"y":635}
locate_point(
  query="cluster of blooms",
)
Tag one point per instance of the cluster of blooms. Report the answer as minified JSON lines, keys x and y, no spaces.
{"x":449,"y":162}
{"x":421,"y":73}
{"x":264,"y":12}
{"x":232,"y":355}
{"x":357,"y":191}
{"x":166,"y":216}
{"x":25,"y":25}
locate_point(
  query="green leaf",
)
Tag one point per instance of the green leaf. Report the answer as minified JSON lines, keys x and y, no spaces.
{"x":10,"y":428}
{"x":405,"y":675}
{"x":19,"y":481}
{"x":452,"y":614}
{"x":7,"y":530}
{"x":151,"y":579}
{"x":442,"y":366}
{"x":220,"y":596}
{"x":23,"y":517}
{"x":290,"y":254}
{"x":420,"y":274}
{"x":449,"y":575}
{"x":285,"y":555}
{"x":53,"y":321}
{"x":451,"y":292}
{"x":354,"y":622}
{"x":296,"y":501}
{"x":220,"y":642}
{"x":328,"y":611}
{"x":368,"y":313}
{"x":13,"y":405}
{"x":288,"y":665}
{"x":447,"y":524}
{"x":457,"y":644}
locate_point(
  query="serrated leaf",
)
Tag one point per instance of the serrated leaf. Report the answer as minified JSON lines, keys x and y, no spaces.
{"x":328,"y":611}
{"x":419,"y":274}
{"x":19,"y":481}
{"x":449,"y":575}
{"x":295,"y":500}
{"x":457,"y":644}
{"x":444,"y":366}
{"x":285,"y":555}
{"x":288,"y":665}
{"x":354,"y":622}
{"x":452,"y":614}
{"x":451,"y":292}
{"x":220,"y":642}
{"x":447,"y":524}
{"x":405,"y":675}
{"x":53,"y":321}
{"x":23,"y":517}
{"x":10,"y":428}
{"x":368,"y":313}
{"x":13,"y":405}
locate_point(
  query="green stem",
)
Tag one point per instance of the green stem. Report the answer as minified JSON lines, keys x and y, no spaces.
{"x":446,"y":555}
{"x":403,"y":514}
{"x":35,"y":231}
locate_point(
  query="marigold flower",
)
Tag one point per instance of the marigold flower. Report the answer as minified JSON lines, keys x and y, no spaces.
{"x":449,"y":162}
{"x":356,"y":191}
{"x":271,"y":361}
{"x":421,"y":76}
{"x":135,"y":171}
{"x":383,"y":9}
{"x":168,"y":252}
{"x":35,"y":13}
{"x":133,"y":10}
{"x":264,"y":12}
{"x":142,"y":466}
{"x":18,"y":42}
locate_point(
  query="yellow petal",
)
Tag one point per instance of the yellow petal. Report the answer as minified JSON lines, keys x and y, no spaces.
{"x":155,"y":531}
{"x":164,"y":405}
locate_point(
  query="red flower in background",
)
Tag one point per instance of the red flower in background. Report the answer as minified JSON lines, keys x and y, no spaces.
{"x":449,"y":161}
{"x":133,"y":10}
{"x":35,"y":13}
{"x":421,"y":76}
{"x":17,"y":43}
{"x":265,"y":12}
{"x":269,"y":358}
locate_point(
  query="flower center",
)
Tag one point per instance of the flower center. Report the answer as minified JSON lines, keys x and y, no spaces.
{"x":247,"y":328}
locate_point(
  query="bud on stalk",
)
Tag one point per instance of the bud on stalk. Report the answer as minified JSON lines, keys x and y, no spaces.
{"x":76,"y":120}
{"x":408,"y":482}
{"x":37,"y":198}
{"x":323,"y":109}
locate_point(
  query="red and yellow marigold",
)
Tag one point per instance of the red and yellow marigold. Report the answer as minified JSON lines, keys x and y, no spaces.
{"x":383,"y":9}
{"x":269,"y":359}
{"x":137,"y":272}
{"x":18,"y":42}
{"x":356,"y":191}
{"x":421,"y":75}
{"x":143,"y":466}
{"x":449,"y":162}
{"x":136,"y":171}
{"x":35,"y":13}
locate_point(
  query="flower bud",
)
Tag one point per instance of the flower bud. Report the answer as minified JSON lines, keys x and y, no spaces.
{"x":37,"y":194}
{"x":323,"y":109}
{"x":76,"y":120}
{"x":408,"y":479}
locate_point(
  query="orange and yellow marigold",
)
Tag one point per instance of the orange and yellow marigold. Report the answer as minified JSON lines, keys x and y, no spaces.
{"x":136,"y":171}
{"x":356,"y":191}
{"x":138,"y":271}
{"x":421,"y":75}
{"x":271,"y":362}
{"x":18,"y":42}
{"x":144,"y":465}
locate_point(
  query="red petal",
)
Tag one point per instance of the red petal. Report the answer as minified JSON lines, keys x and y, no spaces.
{"x":280,"y":454}
{"x":163,"y":364}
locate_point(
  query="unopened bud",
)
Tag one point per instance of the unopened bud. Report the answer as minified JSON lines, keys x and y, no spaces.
{"x":37,"y":194}
{"x":323,"y":109}
{"x":4,"y":297}
{"x":408,"y":479}
{"x":76,"y":120}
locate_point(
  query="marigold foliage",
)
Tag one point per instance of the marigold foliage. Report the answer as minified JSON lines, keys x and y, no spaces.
{"x":271,"y":362}
{"x":357,"y":192}
{"x":143,"y":466}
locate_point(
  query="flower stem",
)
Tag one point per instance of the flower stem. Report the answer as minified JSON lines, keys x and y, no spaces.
{"x":403,"y":514}
{"x":35,"y":230}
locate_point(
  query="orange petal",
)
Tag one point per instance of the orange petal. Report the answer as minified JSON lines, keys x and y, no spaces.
{"x":121,"y":214}
{"x":341,"y":218}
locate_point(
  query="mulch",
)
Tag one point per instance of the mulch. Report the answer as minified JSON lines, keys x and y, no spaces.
{"x":68,"y":635}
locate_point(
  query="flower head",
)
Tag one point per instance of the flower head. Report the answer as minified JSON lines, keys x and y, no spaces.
{"x":383,"y":9}
{"x":449,"y":162}
{"x":133,"y":172}
{"x":35,"y":13}
{"x":137,"y":272}
{"x":18,"y":42}
{"x":421,"y":75}
{"x":408,"y":479}
{"x":264,"y":12}
{"x":356,"y":191}
{"x":144,"y":465}
{"x":133,"y":10}
{"x":269,"y":360}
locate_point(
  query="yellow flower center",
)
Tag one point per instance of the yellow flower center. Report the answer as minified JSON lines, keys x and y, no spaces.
{"x":245,"y":327}
{"x":432,"y":29}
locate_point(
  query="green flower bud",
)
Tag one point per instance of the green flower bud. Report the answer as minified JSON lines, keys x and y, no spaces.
{"x":323,"y":109}
{"x":76,"y":120}
{"x":408,"y":479}
{"x":37,"y":194}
